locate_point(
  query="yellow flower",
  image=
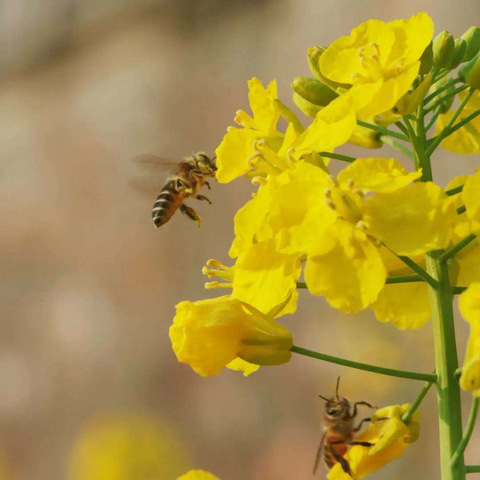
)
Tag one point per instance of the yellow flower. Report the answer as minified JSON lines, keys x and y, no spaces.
{"x":198,"y":475}
{"x":465,"y":140}
{"x":209,"y":334}
{"x":470,"y":308}
{"x":382,"y":56}
{"x":126,"y":446}
{"x":389,"y":435}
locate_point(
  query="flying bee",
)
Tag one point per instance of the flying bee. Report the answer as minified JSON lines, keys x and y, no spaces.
{"x":339,"y":431}
{"x":189,"y":176}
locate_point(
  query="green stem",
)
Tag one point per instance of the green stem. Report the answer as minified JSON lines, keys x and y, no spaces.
{"x":464,"y":121}
{"x":472,"y":468}
{"x":383,"y":130}
{"x":451,"y":252}
{"x":428,"y":377}
{"x":446,"y":363}
{"x":337,"y":156}
{"x":404,"y":279}
{"x":432,"y":121}
{"x":445,"y":97}
{"x":414,"y":406}
{"x":468,"y":432}
{"x":461,"y":209}
{"x":398,"y":146}
{"x":418,"y":269}
{"x":441,"y":89}
{"x":445,"y":132}
{"x":458,"y":290}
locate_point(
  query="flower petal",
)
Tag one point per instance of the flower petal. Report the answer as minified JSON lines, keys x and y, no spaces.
{"x":411,"y":220}
{"x":240,"y":365}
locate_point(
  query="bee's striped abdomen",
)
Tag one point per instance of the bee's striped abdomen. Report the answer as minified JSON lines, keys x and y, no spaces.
{"x":166,"y":204}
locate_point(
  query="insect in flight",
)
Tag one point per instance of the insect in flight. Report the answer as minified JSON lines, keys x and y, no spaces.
{"x":189,"y":176}
{"x":339,"y":431}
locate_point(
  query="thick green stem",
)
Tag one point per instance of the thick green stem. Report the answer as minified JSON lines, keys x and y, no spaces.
{"x":446,"y":363}
{"x":472,"y":468}
{"x":429,"y":377}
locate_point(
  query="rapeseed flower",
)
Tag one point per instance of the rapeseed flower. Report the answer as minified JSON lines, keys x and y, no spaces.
{"x":466,"y":140}
{"x":379,"y":60}
{"x":209,"y":334}
{"x":389,"y":436}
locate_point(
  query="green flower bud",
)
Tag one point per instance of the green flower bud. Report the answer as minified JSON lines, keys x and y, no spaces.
{"x":313,"y":57}
{"x":443,"y":50}
{"x":309,"y":109}
{"x":426,"y":61}
{"x":460,"y":50}
{"x":465,"y":69}
{"x":473,"y":76}
{"x":472,"y":39}
{"x":313,"y":90}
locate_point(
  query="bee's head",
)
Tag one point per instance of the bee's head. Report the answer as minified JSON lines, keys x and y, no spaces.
{"x":206,"y":164}
{"x":336,"y":407}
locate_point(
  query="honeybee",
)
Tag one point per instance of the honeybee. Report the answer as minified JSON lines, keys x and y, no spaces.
{"x":189,"y":176}
{"x":339,"y":431}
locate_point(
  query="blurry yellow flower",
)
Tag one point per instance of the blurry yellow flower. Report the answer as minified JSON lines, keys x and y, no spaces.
{"x":127,"y":446}
{"x":209,"y":334}
{"x":389,"y":435}
{"x":465,"y":140}
{"x":471,"y":197}
{"x":470,"y":309}
{"x":197,"y":475}
{"x":385,"y":57}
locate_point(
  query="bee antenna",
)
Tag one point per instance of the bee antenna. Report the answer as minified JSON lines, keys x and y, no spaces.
{"x":324,"y":398}
{"x":336,"y":389}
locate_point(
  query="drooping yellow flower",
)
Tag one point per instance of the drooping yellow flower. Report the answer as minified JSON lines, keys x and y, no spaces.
{"x":470,"y":309}
{"x":198,"y":475}
{"x":209,"y":334}
{"x":385,"y":57}
{"x":465,"y":140}
{"x":389,"y":436}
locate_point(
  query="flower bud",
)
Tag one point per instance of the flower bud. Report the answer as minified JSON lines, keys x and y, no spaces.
{"x":313,"y":91}
{"x":426,"y":60}
{"x":309,"y":109}
{"x":460,"y":50}
{"x":472,"y":39}
{"x":472,"y":78}
{"x":443,"y":50}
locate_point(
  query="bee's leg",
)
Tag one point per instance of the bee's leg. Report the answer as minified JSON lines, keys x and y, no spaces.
{"x":208,"y":185}
{"x":355,"y":405}
{"x":181,"y":186}
{"x":359,"y":426}
{"x":339,"y":458}
{"x":203,"y":197}
{"x":362,"y":444}
{"x":191,"y":213}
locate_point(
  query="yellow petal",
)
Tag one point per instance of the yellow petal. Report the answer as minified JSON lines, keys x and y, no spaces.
{"x":412,"y":220}
{"x":468,"y":261}
{"x":198,"y":475}
{"x":382,"y":175}
{"x":471,"y":197}
{"x":262,"y":104}
{"x":406,"y":306}
{"x":240,"y":365}
{"x":265,"y":277}
{"x":233,"y":153}
{"x":343,"y":58}
{"x":351,"y":274}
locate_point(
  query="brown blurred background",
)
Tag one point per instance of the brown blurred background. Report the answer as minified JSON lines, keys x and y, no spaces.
{"x":89,"y":385}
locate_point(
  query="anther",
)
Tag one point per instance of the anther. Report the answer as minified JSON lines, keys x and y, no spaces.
{"x":330,"y":204}
{"x":328,"y":193}
{"x":259,"y":180}
{"x":350,"y":183}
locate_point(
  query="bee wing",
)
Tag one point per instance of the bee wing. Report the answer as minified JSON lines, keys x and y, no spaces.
{"x":155,"y":164}
{"x":148,"y":184}
{"x":319,"y":455}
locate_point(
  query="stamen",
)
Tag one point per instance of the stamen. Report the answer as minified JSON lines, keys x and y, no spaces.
{"x":259,"y":180}
{"x":212,"y":285}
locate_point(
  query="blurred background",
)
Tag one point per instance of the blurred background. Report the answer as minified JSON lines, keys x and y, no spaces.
{"x":90,"y":388}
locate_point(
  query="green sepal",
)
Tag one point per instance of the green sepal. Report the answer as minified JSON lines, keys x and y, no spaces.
{"x":309,"y":109}
{"x":426,"y":60}
{"x":460,"y":50}
{"x":313,"y":90}
{"x":443,"y":50}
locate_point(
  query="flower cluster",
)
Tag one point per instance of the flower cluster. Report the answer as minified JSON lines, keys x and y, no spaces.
{"x":366,"y":237}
